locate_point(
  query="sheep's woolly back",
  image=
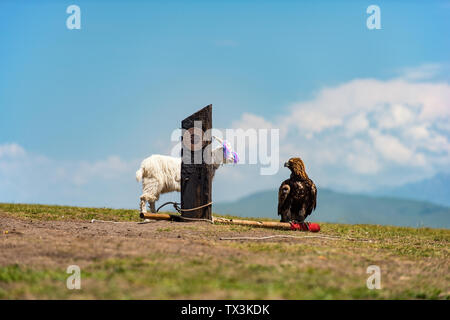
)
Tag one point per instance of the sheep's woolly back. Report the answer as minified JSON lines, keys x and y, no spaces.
{"x":162,"y":174}
{"x":164,"y":171}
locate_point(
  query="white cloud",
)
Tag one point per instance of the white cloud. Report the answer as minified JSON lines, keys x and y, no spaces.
{"x":251,"y":121}
{"x":367,"y":133}
{"x":356,"y":136}
{"x":357,"y":123}
{"x":362,"y":163}
{"x":109,"y":168}
{"x":11,"y":150}
{"x":311,"y":120}
{"x":331,"y":107}
{"x":394,"y":116}
{"x":30,"y":177}
{"x":423,"y":72}
{"x":391,"y":149}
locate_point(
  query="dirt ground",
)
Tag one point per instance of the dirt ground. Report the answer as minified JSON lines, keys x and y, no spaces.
{"x":415,"y":264}
{"x":60,"y":243}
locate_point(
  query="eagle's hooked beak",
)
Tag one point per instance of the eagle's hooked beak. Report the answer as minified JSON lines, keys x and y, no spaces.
{"x":286,"y":164}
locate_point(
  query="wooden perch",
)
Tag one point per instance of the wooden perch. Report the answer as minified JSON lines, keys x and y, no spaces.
{"x":155,"y":216}
{"x":251,"y":223}
{"x":161,"y":216}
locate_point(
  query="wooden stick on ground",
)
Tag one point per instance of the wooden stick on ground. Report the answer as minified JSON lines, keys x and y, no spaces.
{"x":156,"y":216}
{"x":251,"y":223}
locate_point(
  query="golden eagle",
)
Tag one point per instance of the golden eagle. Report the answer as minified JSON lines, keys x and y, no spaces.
{"x":297,"y":195}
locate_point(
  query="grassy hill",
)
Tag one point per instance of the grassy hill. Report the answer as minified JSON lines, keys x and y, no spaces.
{"x":435,"y":189}
{"x":348,"y":208}
{"x":174,"y":260}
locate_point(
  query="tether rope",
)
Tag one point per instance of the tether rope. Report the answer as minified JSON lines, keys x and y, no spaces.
{"x":110,"y":221}
{"x":176,"y":206}
{"x":289,"y":236}
{"x":244,"y":238}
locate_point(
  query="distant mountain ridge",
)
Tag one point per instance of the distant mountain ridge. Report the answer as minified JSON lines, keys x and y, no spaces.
{"x":435,"y":189}
{"x":347,"y":208}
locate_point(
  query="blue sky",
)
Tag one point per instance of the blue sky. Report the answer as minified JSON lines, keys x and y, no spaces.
{"x":104,"y":97}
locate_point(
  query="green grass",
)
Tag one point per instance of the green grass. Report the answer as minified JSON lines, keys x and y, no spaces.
{"x":414,"y":263}
{"x":154,"y":277}
{"x":48,"y":212}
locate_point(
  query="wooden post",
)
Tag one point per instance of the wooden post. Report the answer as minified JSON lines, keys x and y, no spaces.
{"x":196,"y":174}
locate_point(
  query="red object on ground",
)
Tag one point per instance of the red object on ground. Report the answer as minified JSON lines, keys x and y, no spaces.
{"x":305,"y":226}
{"x":314,"y":227}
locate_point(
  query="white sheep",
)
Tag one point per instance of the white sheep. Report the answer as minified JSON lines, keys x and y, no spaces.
{"x":162,"y":174}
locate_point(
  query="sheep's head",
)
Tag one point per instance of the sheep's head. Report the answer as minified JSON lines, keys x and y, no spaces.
{"x":224,"y":154}
{"x":229,"y":155}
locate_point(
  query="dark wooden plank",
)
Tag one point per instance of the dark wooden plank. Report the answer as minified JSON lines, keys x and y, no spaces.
{"x":196,"y":178}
